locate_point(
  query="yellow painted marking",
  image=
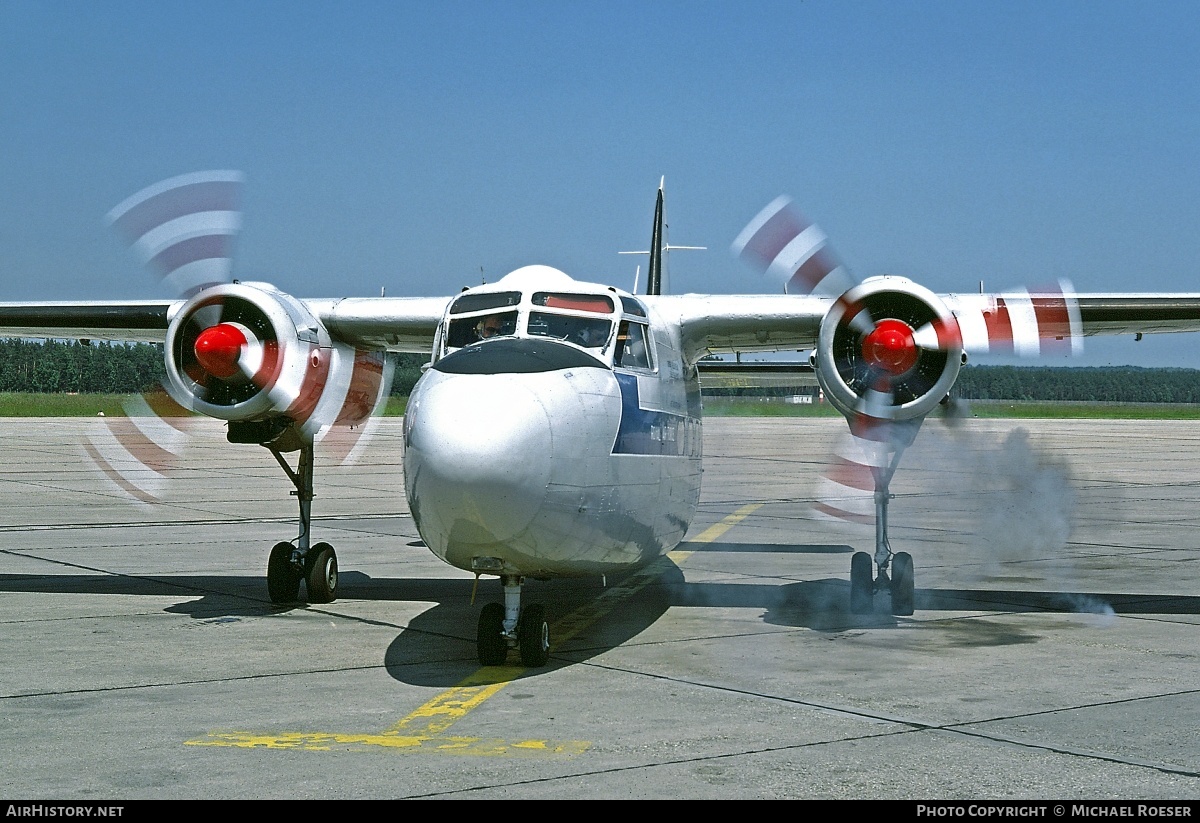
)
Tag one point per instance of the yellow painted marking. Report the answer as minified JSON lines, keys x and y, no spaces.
{"x":324,"y":742}
{"x":424,"y":729}
{"x":716,"y":530}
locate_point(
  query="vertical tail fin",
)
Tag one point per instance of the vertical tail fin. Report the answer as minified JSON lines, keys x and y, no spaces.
{"x":654,"y":284}
{"x":656,"y":275}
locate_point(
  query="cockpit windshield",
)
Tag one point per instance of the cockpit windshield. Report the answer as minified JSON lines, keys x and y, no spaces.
{"x":487,"y":300}
{"x":589,"y":332}
{"x":481,"y":316}
{"x":467,"y":330}
{"x":583,"y":319}
{"x":598,"y":303}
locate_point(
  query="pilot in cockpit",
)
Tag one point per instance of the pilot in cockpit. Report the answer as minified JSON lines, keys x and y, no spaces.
{"x":590,"y":334}
{"x":489,"y":326}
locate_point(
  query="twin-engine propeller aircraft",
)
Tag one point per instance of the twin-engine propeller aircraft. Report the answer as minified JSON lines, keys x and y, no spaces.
{"x":557,"y":429}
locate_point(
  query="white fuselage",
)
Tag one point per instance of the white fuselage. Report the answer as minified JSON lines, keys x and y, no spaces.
{"x":535,"y":457}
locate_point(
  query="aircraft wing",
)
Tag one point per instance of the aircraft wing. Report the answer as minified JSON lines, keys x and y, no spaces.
{"x":400,"y":324}
{"x":722,"y":323}
{"x":711,"y":323}
{"x":1139,"y":313}
{"x":131,"y":320}
{"x":717,"y":323}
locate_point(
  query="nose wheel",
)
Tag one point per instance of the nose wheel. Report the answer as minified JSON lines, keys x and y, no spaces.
{"x":492,"y":644}
{"x":508,"y":626}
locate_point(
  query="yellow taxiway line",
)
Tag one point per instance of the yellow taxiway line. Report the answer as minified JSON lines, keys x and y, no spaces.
{"x":425,"y":729}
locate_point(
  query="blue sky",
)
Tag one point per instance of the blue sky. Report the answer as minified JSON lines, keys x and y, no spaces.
{"x":424,"y":146}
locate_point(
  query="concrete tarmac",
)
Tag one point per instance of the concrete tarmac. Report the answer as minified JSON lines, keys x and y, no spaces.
{"x":1053,"y":653}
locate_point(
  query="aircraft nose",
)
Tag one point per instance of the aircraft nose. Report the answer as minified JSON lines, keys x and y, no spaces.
{"x":477,"y":460}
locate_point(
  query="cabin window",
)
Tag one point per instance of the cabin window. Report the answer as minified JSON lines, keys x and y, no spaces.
{"x":631,"y":350}
{"x":589,"y":332}
{"x":467,"y":330}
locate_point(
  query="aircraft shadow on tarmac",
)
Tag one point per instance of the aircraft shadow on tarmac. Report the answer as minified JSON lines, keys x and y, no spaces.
{"x":437,"y":646}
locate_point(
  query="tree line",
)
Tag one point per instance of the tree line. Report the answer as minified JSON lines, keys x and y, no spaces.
{"x":1121,"y":384}
{"x":70,"y":366}
{"x":58,"y":366}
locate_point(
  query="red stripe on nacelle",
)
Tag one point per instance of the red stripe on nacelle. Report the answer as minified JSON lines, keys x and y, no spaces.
{"x":316,"y":376}
{"x":271,"y":366}
{"x":365,"y":384}
{"x":949,"y":335}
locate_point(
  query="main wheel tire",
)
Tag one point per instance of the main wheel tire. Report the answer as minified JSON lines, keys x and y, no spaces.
{"x":492,"y":645}
{"x":862,"y":584}
{"x":533,"y":636}
{"x":322,"y":576}
{"x":902,"y":583}
{"x":283,"y":583}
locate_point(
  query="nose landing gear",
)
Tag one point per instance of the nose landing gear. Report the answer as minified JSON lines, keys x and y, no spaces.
{"x":508,"y":626}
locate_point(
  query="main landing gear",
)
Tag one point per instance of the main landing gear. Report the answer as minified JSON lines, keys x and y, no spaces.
{"x":290,"y":564}
{"x":508,"y":626}
{"x":863,"y":584}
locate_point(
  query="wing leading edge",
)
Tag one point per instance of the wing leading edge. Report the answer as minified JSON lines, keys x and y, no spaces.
{"x":398,"y":324}
{"x":132,"y":321}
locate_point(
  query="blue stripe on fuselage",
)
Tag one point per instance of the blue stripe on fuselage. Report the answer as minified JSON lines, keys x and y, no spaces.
{"x":644,"y":431}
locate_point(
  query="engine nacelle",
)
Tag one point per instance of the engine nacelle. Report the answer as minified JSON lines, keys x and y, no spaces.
{"x":257,"y":357}
{"x":889,"y":348}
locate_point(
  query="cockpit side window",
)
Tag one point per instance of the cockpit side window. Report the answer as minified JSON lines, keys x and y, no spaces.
{"x":467,"y":330}
{"x":630,"y":305}
{"x":632,"y":351}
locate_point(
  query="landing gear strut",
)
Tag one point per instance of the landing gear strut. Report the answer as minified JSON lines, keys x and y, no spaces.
{"x":863,"y":585}
{"x":289,"y":564}
{"x":508,"y":626}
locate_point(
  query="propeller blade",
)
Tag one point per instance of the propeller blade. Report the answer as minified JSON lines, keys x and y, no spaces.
{"x":140,"y":452}
{"x":183,"y":228}
{"x":369,"y":390}
{"x":846,"y":486}
{"x":788,"y":248}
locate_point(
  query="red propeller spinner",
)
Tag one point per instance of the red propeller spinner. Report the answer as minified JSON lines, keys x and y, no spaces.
{"x":219,"y":348}
{"x":891,"y":347}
